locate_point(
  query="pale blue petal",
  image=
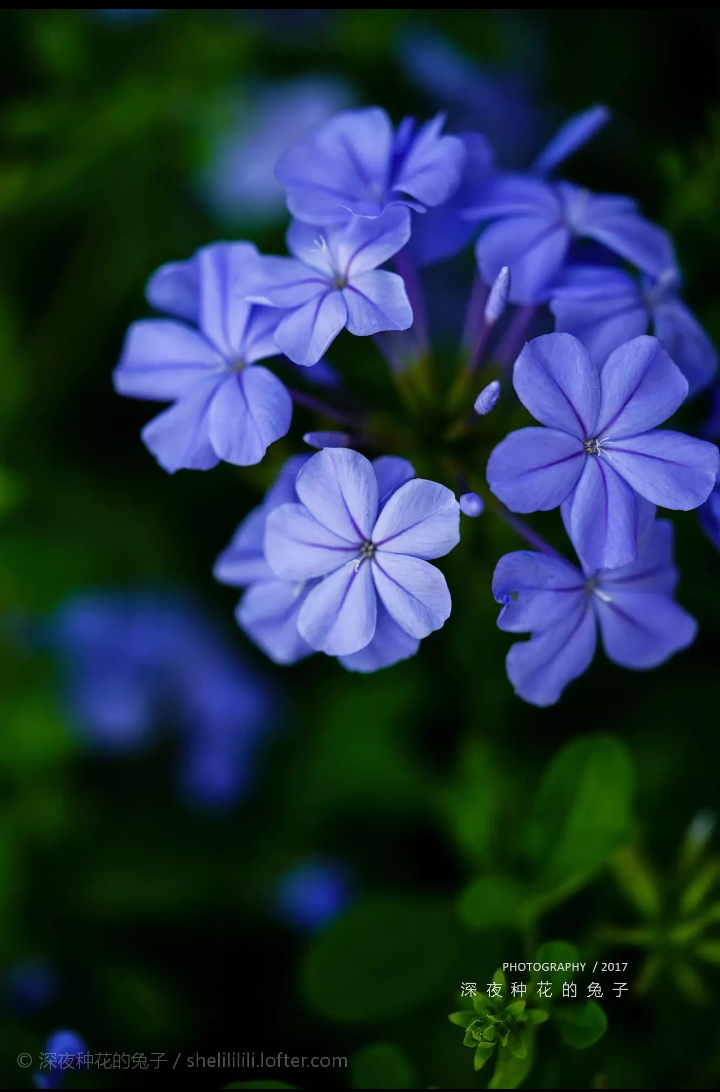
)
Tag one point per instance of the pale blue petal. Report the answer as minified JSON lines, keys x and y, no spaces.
{"x":223,"y":311}
{"x":642,"y":629}
{"x":179,"y":437}
{"x":421,"y":518}
{"x":284,"y":282}
{"x":297,"y":547}
{"x":338,"y":486}
{"x":641,"y":388}
{"x":414,"y":592}
{"x":175,"y":289}
{"x":259,"y":341}
{"x":669,"y":469}
{"x":432,"y":168}
{"x":534,"y":249}
{"x":535,"y":469}
{"x":391,"y":472}
{"x":338,"y":616}
{"x":556,"y":380}
{"x":377,"y":301}
{"x":687,"y":343}
{"x":603,"y":517}
{"x":305,"y":334}
{"x":389,"y":645}
{"x":514,"y":195}
{"x":366,"y":243}
{"x":652,"y":571}
{"x":575,"y":132}
{"x":536,"y":591}
{"x":282,"y":491}
{"x":268,"y":613}
{"x":243,"y":561}
{"x":162,"y":360}
{"x":541,"y":668}
{"x":628,"y":234}
{"x":251,"y":410}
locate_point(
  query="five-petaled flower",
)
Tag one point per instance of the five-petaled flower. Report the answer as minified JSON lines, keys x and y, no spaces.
{"x":598,"y":454}
{"x":364,"y":549}
{"x":356,"y":163}
{"x":225,"y":407}
{"x":640,"y":624}
{"x":333,"y":281}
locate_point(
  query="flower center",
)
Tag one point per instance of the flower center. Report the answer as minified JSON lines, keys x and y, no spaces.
{"x":340,"y":282}
{"x":367,"y":551}
{"x":236,"y":365}
{"x":592,"y":447}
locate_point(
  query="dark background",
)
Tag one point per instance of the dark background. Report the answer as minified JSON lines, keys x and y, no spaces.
{"x":159,"y":918}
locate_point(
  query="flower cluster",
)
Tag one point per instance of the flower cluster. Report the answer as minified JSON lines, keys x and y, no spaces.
{"x":337,"y":557}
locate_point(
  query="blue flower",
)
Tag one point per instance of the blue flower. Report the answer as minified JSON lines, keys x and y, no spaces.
{"x":356,"y":163}
{"x":64,"y":1052}
{"x":29,"y":986}
{"x":487,"y":400}
{"x":134,"y":663}
{"x":359,"y":549}
{"x":269,"y":609}
{"x":536,"y":221}
{"x":225,"y":406}
{"x":640,"y":624}
{"x":604,"y":307}
{"x":598,"y":456}
{"x":709,"y":515}
{"x":310,"y":895}
{"x":333,"y":281}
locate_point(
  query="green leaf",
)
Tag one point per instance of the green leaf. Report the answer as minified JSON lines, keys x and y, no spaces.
{"x":381,"y":1065}
{"x":462,"y":1019}
{"x":516,"y":1008}
{"x":510,"y":1070}
{"x":491,"y":902}
{"x":482,"y":1054}
{"x":536,"y":1016}
{"x":385,"y":956}
{"x":582,"y":810}
{"x":581,"y":1025}
{"x":709,"y":950}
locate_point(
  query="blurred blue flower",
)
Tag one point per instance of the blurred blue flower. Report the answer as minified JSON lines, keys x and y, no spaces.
{"x":357,"y":163}
{"x":239,"y":182}
{"x":136,"y":662}
{"x":64,"y":1052}
{"x":561,"y":607}
{"x":310,"y":895}
{"x":29,"y":986}
{"x":603,"y":307}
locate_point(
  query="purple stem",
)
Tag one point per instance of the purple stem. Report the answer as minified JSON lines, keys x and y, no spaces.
{"x":515,"y":335}
{"x":323,"y":408}
{"x":526,"y":532}
{"x":410,"y":274}
{"x":475,"y":315}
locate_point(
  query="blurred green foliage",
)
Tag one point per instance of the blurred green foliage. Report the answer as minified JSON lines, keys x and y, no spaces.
{"x":476,"y":828}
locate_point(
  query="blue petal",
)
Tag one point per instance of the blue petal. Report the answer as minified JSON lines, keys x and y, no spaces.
{"x":179,"y":437}
{"x":366,"y":243}
{"x":268,"y":613}
{"x":536,"y":591}
{"x":297,"y":547}
{"x":667,"y":468}
{"x":641,"y":388}
{"x":339,"y":614}
{"x":243,"y":561}
{"x":391,"y":472}
{"x":389,"y":645}
{"x":421,"y":518}
{"x":250,"y":411}
{"x":432,"y":167}
{"x":533,"y":247}
{"x":642,"y":629}
{"x":514,"y":195}
{"x":175,"y":288}
{"x":284,"y":282}
{"x":541,"y":668}
{"x":377,"y":301}
{"x":603,"y":517}
{"x":305,"y":334}
{"x":162,"y":360}
{"x":556,"y":380}
{"x":628,"y":234}
{"x":535,"y":469}
{"x":342,"y":168}
{"x":652,"y":571}
{"x":575,"y":132}
{"x":224,"y":313}
{"x":687,"y":343}
{"x":338,"y":486}
{"x":414,"y":592}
